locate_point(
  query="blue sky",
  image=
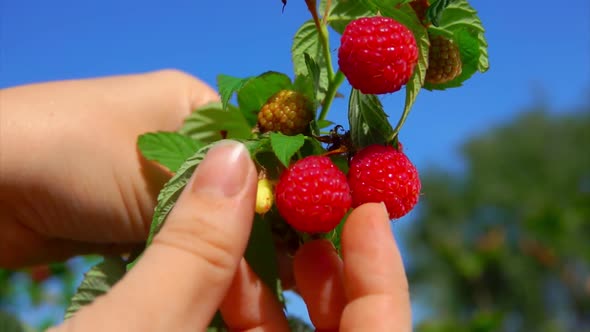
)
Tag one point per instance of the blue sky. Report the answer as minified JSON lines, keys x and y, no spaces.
{"x":537,"y":48}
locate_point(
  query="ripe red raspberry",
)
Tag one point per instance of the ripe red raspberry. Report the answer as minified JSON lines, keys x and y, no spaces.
{"x":444,"y":60}
{"x":287,"y":111}
{"x":380,"y":173}
{"x":313,"y":195}
{"x":377,"y":54}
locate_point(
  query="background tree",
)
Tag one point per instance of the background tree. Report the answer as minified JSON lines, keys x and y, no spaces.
{"x":504,"y":244}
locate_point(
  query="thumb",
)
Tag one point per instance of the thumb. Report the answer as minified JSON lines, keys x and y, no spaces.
{"x":184,"y":275}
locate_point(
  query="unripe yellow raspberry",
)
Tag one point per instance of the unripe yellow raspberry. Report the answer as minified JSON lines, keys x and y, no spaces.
{"x":265,"y":196}
{"x":444,"y":61}
{"x":288,"y":112}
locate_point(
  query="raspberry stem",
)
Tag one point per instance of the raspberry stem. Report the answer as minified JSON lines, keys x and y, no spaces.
{"x":325,"y":41}
{"x":400,"y":124}
{"x":335,"y":80}
{"x":331,"y":94}
{"x":322,"y":29}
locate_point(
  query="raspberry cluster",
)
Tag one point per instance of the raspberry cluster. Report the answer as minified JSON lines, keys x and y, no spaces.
{"x":377,"y":55}
{"x":313,"y":195}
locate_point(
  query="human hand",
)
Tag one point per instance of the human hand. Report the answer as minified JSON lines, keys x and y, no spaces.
{"x":55,"y":206}
{"x":195,"y":266}
{"x":71,"y":179}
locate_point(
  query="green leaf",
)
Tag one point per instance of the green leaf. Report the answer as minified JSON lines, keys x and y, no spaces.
{"x":97,"y":281}
{"x":254,"y":93}
{"x":459,"y":21}
{"x":307,"y":41}
{"x":314,"y":70}
{"x":170,"y":193}
{"x":168,"y":149}
{"x":261,"y":256}
{"x":344,"y":11}
{"x":304,"y":85}
{"x":435,"y":10}
{"x":368,"y":122}
{"x":207,"y":122}
{"x":309,"y":84}
{"x":324,"y":124}
{"x":385,"y":7}
{"x":312,"y":147}
{"x":172,"y":189}
{"x":341,"y":161}
{"x":227,"y":85}
{"x":335,"y":236}
{"x":285,"y":146}
{"x":258,"y":145}
{"x":9,"y":323}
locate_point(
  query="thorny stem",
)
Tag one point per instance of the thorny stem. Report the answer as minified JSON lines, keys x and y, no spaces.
{"x":331,"y":94}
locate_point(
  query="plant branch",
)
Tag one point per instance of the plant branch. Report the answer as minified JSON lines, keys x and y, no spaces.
{"x":323,"y":35}
{"x":325,"y":41}
{"x":331,"y":94}
{"x":400,"y":123}
{"x":312,"y":7}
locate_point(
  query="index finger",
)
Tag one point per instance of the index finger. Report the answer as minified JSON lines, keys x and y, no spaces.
{"x":374,"y":276}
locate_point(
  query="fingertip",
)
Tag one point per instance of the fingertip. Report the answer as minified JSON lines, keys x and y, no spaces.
{"x":318,"y":275}
{"x":365,"y":214}
{"x":251,"y":305}
{"x":374,"y":274}
{"x":367,"y":233}
{"x":310,"y":251}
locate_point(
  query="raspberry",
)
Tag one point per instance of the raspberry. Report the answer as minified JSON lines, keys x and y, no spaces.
{"x":287,"y":111}
{"x":377,"y":54}
{"x":444,"y":61}
{"x":313,"y":195}
{"x":264,"y":196}
{"x":380,"y":173}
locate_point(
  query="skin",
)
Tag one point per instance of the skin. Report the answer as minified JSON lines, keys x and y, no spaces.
{"x":72,"y":182}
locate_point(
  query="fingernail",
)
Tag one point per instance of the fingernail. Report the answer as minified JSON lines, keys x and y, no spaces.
{"x":224,"y":170}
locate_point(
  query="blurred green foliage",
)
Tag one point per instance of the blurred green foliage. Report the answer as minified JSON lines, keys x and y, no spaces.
{"x":38,"y":295}
{"x":503,"y":245}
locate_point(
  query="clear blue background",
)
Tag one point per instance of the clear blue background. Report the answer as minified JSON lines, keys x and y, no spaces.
{"x":539,"y":52}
